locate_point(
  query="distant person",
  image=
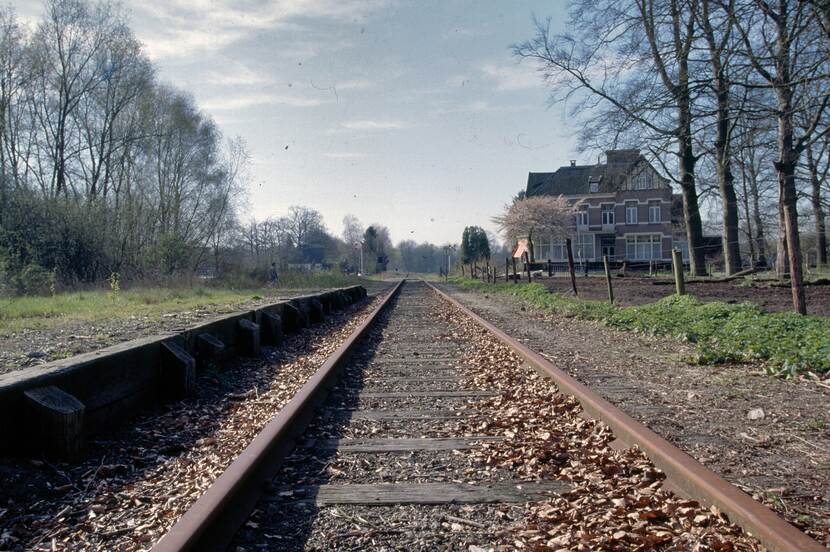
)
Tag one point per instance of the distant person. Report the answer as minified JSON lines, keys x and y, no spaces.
{"x":272,"y":274}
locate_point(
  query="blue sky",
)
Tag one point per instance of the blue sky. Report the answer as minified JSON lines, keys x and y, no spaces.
{"x":411,"y":114}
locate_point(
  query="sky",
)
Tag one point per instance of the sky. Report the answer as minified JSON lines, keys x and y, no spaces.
{"x":412,"y":114}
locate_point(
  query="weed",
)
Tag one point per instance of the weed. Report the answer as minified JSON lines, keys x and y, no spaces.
{"x":817,"y":424}
{"x":789,"y":343}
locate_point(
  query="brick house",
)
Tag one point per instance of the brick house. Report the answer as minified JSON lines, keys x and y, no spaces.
{"x":623,"y":210}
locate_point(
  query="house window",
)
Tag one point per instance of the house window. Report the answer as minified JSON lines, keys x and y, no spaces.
{"x":557,"y":250}
{"x":643,"y":181}
{"x":631,"y":212}
{"x":644,"y":247}
{"x":608,"y":214}
{"x":593,"y":187}
{"x":654,"y":211}
{"x":582,"y":216}
{"x":585,"y":246}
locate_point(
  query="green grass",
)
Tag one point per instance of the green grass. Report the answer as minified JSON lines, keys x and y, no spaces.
{"x":32,"y":312}
{"x":788,"y":343}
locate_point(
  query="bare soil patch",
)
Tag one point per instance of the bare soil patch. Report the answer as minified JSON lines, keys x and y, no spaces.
{"x":781,"y":457}
{"x":634,"y":290}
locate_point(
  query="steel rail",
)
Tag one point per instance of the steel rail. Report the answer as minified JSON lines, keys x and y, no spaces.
{"x":683,"y":471}
{"x":211,"y":522}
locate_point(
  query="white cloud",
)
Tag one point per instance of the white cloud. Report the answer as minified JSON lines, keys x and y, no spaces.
{"x":186,"y":27}
{"x":458,"y":81}
{"x":238,"y":74}
{"x":238,"y":101}
{"x":369,"y":124}
{"x":511,"y":76}
{"x":356,"y":84}
{"x":477,"y":106}
{"x":344,"y":155}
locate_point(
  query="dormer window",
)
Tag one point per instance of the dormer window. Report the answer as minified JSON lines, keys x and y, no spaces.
{"x":593,"y":187}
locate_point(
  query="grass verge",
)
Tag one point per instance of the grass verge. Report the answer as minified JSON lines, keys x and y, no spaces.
{"x":31,"y":312}
{"x":788,"y":343}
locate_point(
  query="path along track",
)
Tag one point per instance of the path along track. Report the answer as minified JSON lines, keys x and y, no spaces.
{"x":428,"y":430}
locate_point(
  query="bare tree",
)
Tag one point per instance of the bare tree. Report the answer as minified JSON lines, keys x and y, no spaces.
{"x":301,"y":222}
{"x":816,"y":156}
{"x":716,"y":26}
{"x":780,"y":41}
{"x":630,"y":61}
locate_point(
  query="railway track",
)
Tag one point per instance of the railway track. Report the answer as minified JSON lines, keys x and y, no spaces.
{"x":430,"y":429}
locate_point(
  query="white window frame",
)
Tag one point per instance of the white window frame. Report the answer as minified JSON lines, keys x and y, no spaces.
{"x":608,"y":215}
{"x":585,"y":247}
{"x":631,"y":207}
{"x":644,"y":181}
{"x":643,"y":247}
{"x":593,"y":187}
{"x":654,"y":212}
{"x":557,"y":250}
{"x":582,"y":217}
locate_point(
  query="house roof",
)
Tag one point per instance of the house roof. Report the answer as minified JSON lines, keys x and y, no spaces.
{"x":565,"y":181}
{"x":576,"y":179}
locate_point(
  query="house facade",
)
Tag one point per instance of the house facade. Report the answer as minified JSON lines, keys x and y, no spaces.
{"x":623,"y":209}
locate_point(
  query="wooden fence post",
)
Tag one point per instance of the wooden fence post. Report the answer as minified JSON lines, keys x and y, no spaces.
{"x":608,"y":279}
{"x":571,"y":265}
{"x":527,"y":267}
{"x":506,"y":269}
{"x":677,"y":261}
{"x":515,"y":277}
{"x":550,"y":269}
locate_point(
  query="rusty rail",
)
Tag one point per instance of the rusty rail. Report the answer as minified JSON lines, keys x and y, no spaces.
{"x":683,"y":471}
{"x":212,"y":520}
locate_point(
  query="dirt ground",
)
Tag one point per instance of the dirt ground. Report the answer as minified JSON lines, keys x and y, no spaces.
{"x":779,"y":454}
{"x":38,"y":346}
{"x":636,"y":290}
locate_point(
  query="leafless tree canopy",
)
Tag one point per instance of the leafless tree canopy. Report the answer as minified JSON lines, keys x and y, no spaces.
{"x":711,"y":88}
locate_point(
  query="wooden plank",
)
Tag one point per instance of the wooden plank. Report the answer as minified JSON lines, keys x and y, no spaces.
{"x":397,"y":445}
{"x":429,"y":379}
{"x":392,"y":494}
{"x":359,"y":414}
{"x":415,"y":360}
{"x":444,"y":393}
{"x":57,"y":421}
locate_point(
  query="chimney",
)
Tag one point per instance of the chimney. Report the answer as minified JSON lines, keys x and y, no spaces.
{"x":573,"y":162}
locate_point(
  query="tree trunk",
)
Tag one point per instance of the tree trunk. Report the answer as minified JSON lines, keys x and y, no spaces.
{"x":729,"y":201}
{"x":691,"y":212}
{"x":760,"y":238}
{"x":787,"y":196}
{"x":818,"y":209}
{"x":782,"y":264}
{"x":753,"y":257}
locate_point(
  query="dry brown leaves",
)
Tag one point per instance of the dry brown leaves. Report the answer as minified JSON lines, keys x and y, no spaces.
{"x":617,"y":501}
{"x":110,"y":508}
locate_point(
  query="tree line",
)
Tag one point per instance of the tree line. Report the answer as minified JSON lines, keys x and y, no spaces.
{"x":729,"y":97}
{"x":102,"y":167}
{"x":105,"y":169}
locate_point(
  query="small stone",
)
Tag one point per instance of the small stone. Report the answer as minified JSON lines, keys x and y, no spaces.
{"x":36,"y":354}
{"x":756,"y":414}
